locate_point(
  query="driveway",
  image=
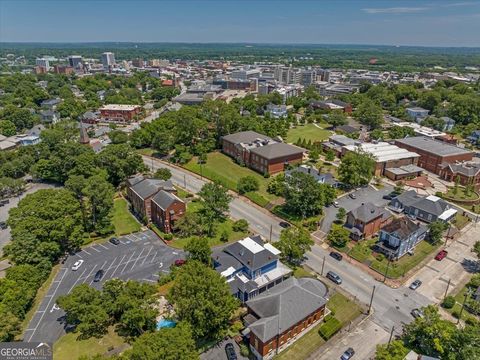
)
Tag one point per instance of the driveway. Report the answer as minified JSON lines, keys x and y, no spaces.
{"x":218,"y":351}
{"x":140,"y":256}
{"x":363,"y":195}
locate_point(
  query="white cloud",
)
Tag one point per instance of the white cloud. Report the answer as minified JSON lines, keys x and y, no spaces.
{"x":465,"y":3}
{"x":394,"y":10}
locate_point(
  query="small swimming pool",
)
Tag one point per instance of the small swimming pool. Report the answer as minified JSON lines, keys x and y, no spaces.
{"x":164,"y":323}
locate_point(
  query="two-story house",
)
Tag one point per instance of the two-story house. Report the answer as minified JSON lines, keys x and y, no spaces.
{"x":428,"y":209}
{"x":366,"y":220}
{"x":320,"y":178}
{"x":400,"y":237}
{"x":250,"y":267}
{"x":417,"y":113}
{"x":474,"y":137}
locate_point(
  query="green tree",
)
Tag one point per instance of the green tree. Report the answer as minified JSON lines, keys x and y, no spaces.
{"x":247,"y":183}
{"x":395,"y":351}
{"x":98,"y":194}
{"x":338,"y":236}
{"x":10,"y":325}
{"x":163,"y":174}
{"x":337,"y":118}
{"x":198,"y":249}
{"x":277,"y":185}
{"x":7,"y":128}
{"x":189,"y":225}
{"x":341,"y":215}
{"x":165,"y":344}
{"x":118,"y":137}
{"x":369,"y":113}
{"x":294,"y":243}
{"x":356,"y":168}
{"x":240,"y":225}
{"x":313,"y":156}
{"x":399,"y":132}
{"x":476,"y":249}
{"x":376,"y":134}
{"x":329,"y":155}
{"x":202,"y":298}
{"x":436,"y":230}
{"x":214,"y":205}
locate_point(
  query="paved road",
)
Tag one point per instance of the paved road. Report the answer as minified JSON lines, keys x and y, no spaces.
{"x":260,"y":220}
{"x":218,"y":351}
{"x":5,"y":234}
{"x":140,"y":256}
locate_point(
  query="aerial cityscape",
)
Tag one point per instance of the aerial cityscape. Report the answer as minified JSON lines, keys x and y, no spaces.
{"x":237,"y":180}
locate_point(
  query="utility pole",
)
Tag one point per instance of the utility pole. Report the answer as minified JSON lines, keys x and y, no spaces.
{"x":185,"y":181}
{"x":323,"y":265}
{"x":371,"y":300}
{"x":271,"y":229}
{"x":386,"y":271}
{"x":391,"y":335}
{"x":446,"y":290}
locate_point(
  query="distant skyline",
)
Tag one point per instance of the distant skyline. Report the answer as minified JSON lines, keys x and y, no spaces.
{"x":379,"y":22}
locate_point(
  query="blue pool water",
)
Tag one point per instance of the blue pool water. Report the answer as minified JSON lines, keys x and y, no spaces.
{"x":164,"y":323}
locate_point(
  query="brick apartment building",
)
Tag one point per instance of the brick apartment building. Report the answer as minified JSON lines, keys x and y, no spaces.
{"x":434,"y":153}
{"x":166,"y":209}
{"x":119,"y":113}
{"x":261,"y":153}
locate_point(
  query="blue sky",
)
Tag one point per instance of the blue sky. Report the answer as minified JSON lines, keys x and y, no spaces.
{"x":429,"y":23}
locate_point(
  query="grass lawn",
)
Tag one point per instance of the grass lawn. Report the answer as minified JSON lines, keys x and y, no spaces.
{"x":68,"y":347}
{"x":308,"y":132}
{"x":146,"y":151}
{"x":345,"y":311}
{"x":460,"y":221}
{"x":300,"y":272}
{"x":459,"y":298}
{"x":461,"y":194}
{"x":225,"y":170}
{"x":123,"y":221}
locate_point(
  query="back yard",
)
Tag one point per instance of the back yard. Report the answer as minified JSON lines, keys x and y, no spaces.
{"x":312,"y":132}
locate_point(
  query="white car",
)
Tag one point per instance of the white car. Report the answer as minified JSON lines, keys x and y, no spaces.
{"x":335,"y":203}
{"x":77,"y":265}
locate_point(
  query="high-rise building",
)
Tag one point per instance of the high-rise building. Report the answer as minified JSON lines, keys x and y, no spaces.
{"x":308,"y":77}
{"x":75,"y":61}
{"x":139,"y":63}
{"x":287,"y":75}
{"x":108,"y":59}
{"x":42,"y":62}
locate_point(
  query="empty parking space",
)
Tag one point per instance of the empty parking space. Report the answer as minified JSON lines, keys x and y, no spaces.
{"x":141,"y":256}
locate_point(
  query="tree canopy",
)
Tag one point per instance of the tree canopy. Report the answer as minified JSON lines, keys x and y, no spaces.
{"x":356,"y":168}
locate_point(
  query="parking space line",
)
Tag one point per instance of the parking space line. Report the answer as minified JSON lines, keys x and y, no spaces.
{"x":75,"y":283}
{"x":91,"y":247}
{"x":120,"y":263}
{"x":154,"y":281}
{"x":85,"y":251}
{"x":90,"y":273}
{"x":136,"y":237}
{"x":103,"y":246}
{"x":110,"y":266}
{"x":133,"y":266}
{"x":122,"y":242}
{"x":101,"y":267}
{"x":146,"y":255}
{"x":80,"y":256}
{"x":48,"y":305}
{"x":154,"y":255}
{"x":131,"y":256}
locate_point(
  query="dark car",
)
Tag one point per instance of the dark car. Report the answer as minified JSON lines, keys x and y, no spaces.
{"x":98,"y":275}
{"x":334,"y":277}
{"x":352,"y":196}
{"x":3,"y":225}
{"x":180,"y":262}
{"x":114,"y":241}
{"x":387,"y":197}
{"x":348,"y":354}
{"x":284,"y":224}
{"x":230,"y":350}
{"x":336,"y":255}
{"x":441,"y":255}
{"x":5,"y":202}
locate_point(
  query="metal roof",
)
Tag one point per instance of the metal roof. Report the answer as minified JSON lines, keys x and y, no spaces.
{"x":431,"y":146}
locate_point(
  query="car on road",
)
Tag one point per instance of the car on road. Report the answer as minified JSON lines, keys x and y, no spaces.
{"x":441,"y":255}
{"x":415,"y":285}
{"x":284,"y":224}
{"x":180,"y":262}
{"x":352,"y":195}
{"x":230,"y":351}
{"x":336,"y":204}
{"x":348,"y":354}
{"x":417,"y":313}
{"x":77,"y":265}
{"x":3,"y":225}
{"x":98,"y":275}
{"x":390,"y":196}
{"x":334,"y":277}
{"x":114,"y":241}
{"x":4,"y":202}
{"x":336,"y":255}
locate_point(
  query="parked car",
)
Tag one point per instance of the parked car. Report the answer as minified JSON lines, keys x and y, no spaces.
{"x":114,"y":241}
{"x":98,"y":275}
{"x":390,"y":196}
{"x":230,"y":350}
{"x":77,"y":265}
{"x":352,"y":195}
{"x":336,"y":255}
{"x":284,"y":224}
{"x":180,"y":262}
{"x":415,"y":285}
{"x":348,"y":354}
{"x":417,"y":313}
{"x":336,"y":204}
{"x":5,"y":202}
{"x":441,"y":255}
{"x":334,"y":277}
{"x":3,"y":225}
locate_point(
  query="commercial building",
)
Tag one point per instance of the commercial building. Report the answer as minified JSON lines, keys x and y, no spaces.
{"x":119,"y":113}
{"x":245,"y":74}
{"x":44,"y":63}
{"x":434,"y":153}
{"x":260,"y":152}
{"x":332,"y":105}
{"x":108,"y":60}
{"x":308,"y":77}
{"x":75,"y":61}
{"x":283,"y":314}
{"x":63,"y":69}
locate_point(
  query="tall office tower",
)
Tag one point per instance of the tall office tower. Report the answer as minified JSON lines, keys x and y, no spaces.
{"x":75,"y":60}
{"x":308,"y":77}
{"x":108,"y":59}
{"x":43,"y":63}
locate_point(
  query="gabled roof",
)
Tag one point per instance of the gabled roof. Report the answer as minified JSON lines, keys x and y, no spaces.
{"x":164,"y":199}
{"x":274,"y":151}
{"x":148,"y":187}
{"x":284,"y":305}
{"x":251,"y":252}
{"x":431,"y":204}
{"x":368,"y":212}
{"x":245,"y":137}
{"x":401,"y":227}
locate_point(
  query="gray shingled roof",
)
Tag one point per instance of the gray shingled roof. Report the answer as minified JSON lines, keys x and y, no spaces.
{"x":412,"y":199}
{"x":368,"y":211}
{"x":164,"y":199}
{"x":149,"y":187}
{"x":248,"y":258}
{"x":277,"y":150}
{"x":432,"y":146}
{"x":402,"y":227}
{"x":466,"y":169}
{"x":245,"y":137}
{"x":284,"y":305}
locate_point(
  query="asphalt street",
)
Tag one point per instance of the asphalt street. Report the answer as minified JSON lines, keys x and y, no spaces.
{"x":261,"y":221}
{"x":139,"y":256}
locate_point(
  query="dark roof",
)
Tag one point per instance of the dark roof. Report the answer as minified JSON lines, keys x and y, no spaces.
{"x":135,"y":179}
{"x":430,"y":204}
{"x":245,"y":137}
{"x":340,"y":103}
{"x":247,"y":257}
{"x":471,"y":169}
{"x":36,"y":130}
{"x":48,"y":113}
{"x":149,"y":187}
{"x":346,"y":129}
{"x":402,"y":227}
{"x":368,"y":212}
{"x":284,"y":305}
{"x":432,"y":146}
{"x":277,"y":150}
{"x":164,"y":199}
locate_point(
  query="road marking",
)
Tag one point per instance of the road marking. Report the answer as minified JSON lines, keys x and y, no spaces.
{"x":146,"y":243}
{"x":48,"y":305}
{"x":110,"y":266}
{"x":154,"y":255}
{"x":79,"y":255}
{"x":127,"y":262}
{"x":77,"y":280}
{"x":91,"y":247}
{"x":114,"y":271}
{"x":85,"y":251}
{"x":55,"y":307}
{"x":103,"y":246}
{"x":123,"y":242}
{"x":101,"y":267}
{"x":146,"y":256}
{"x":137,"y":259}
{"x":154,"y":281}
{"x":90,"y":273}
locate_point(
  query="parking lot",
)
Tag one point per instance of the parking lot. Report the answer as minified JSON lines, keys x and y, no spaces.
{"x":140,"y":256}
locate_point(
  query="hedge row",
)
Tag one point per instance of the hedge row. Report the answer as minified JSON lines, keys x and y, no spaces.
{"x":330,"y":327}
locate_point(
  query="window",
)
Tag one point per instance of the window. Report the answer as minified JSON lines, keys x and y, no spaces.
{"x":429,"y":217}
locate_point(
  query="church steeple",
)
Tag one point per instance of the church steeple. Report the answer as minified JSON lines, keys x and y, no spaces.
{"x":84,"y":139}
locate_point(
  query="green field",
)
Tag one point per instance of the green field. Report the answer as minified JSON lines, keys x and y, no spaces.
{"x":68,"y":347}
{"x":225,"y":170}
{"x":123,"y":221}
{"x":308,"y":132}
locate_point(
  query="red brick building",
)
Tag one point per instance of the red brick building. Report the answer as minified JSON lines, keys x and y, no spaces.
{"x":119,"y":113}
{"x":366,"y":220}
{"x":467,"y":173}
{"x":166,"y":209}
{"x":283,"y":314}
{"x":261,"y":153}
{"x":434,"y":153}
{"x":63,"y":69}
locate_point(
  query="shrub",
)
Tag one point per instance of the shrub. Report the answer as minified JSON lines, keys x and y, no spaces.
{"x":244,"y":350}
{"x":380,"y":257}
{"x":240,"y":225}
{"x":330,"y":328}
{"x":224,"y":236}
{"x":472,"y":321}
{"x":168,"y":237}
{"x":456,"y":314}
{"x":449,"y":302}
{"x":439,"y":194}
{"x":247,"y":184}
